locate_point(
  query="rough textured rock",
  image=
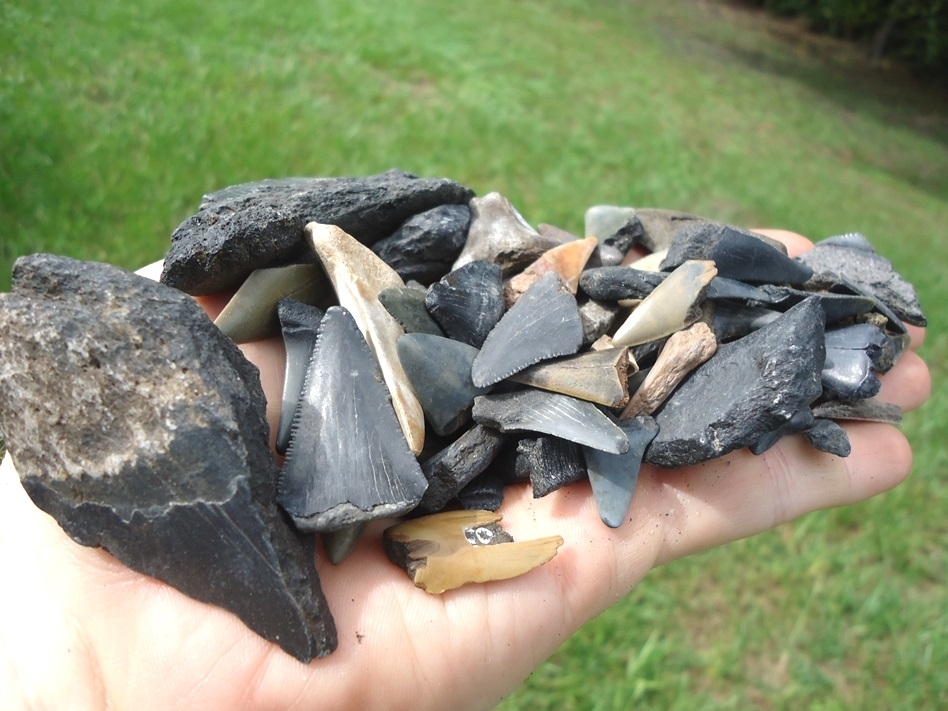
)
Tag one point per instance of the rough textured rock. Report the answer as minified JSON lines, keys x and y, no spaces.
{"x":245,"y":227}
{"x":453,"y":468}
{"x":614,"y":283}
{"x":751,"y":387}
{"x":426,"y":245}
{"x":141,"y":428}
{"x":549,"y":463}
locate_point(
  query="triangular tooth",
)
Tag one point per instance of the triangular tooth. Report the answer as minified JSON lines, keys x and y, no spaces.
{"x":300,"y":326}
{"x":596,"y":376}
{"x":453,"y":468}
{"x":552,"y":414}
{"x":339,"y":544}
{"x":407,"y":305}
{"x":251,"y":313}
{"x":468,"y":302}
{"x":683,"y":352}
{"x":439,"y":370}
{"x":613,"y":477}
{"x":358,"y":275}
{"x":499,"y":234}
{"x":544,"y":323}
{"x":672,"y":306}
{"x":348,"y":461}
{"x":566,"y":261}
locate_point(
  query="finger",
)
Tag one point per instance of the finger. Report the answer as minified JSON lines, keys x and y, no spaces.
{"x":908,"y":384}
{"x":796,"y":244}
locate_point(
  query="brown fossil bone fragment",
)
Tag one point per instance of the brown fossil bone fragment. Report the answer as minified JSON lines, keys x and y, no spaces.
{"x":566,"y":261}
{"x":447,"y":550}
{"x":596,"y":376}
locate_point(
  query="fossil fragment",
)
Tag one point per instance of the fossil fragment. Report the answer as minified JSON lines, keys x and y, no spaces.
{"x":468,"y":302}
{"x":597,"y":376}
{"x":426,"y":245}
{"x":549,"y":463}
{"x":827,"y":436}
{"x":453,"y":468}
{"x":868,"y":410}
{"x":408,"y":307}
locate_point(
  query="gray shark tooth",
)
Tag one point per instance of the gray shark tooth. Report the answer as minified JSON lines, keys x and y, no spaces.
{"x":566,"y":261}
{"x":348,"y":461}
{"x":426,"y":245}
{"x":836,"y":307}
{"x":550,"y":463}
{"x":672,"y":306}
{"x":251,"y":313}
{"x":739,"y":255}
{"x":407,"y":305}
{"x":683,"y":352}
{"x":544,"y":323}
{"x":451,"y":469}
{"x":596,"y":376}
{"x":851,"y":240}
{"x":597,"y":318}
{"x":615,"y":283}
{"x":300,"y":325}
{"x":499,"y":234}
{"x":800,"y":421}
{"x":484,"y":492}
{"x":358,"y":275}
{"x":439,"y":370}
{"x":869,"y":409}
{"x":613,"y":476}
{"x":339,"y":543}
{"x":862,"y":336}
{"x":553,"y":414}
{"x":731,"y":321}
{"x":724,"y":288}
{"x":468,"y":302}
{"x":828,"y":436}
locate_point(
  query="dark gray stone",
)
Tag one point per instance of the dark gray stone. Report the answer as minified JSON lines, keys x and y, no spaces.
{"x":426,"y":245}
{"x":299,"y":324}
{"x":468,"y":302}
{"x":750,"y":387}
{"x":245,"y":227}
{"x":661,"y":226}
{"x":451,"y":469}
{"x":828,"y":436}
{"x":799,"y":422}
{"x":731,"y":289}
{"x":549,"y":463}
{"x":348,"y":461}
{"x":141,"y":428}
{"x":407,"y":305}
{"x":614,"y":283}
{"x":597,"y":318}
{"x":612,"y":249}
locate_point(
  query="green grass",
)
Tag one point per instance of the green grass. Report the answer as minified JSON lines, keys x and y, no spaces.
{"x":116,"y":118}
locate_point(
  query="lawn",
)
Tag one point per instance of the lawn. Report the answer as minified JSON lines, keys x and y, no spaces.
{"x":115,"y":118}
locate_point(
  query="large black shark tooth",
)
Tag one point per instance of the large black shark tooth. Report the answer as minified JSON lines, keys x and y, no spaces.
{"x":348,"y":461}
{"x":553,"y":414}
{"x":736,"y":254}
{"x":550,"y":463}
{"x":451,"y":469}
{"x":439,"y":370}
{"x":468,"y":302}
{"x":613,"y":476}
{"x":426,"y":245}
{"x":148,"y":436}
{"x":543,"y":323}
{"x":245,"y":227}
{"x":749,"y":388}
{"x":300,"y":324}
{"x":853,"y":261}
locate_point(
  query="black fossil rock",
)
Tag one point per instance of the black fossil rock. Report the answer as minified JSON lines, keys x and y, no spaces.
{"x":426,"y":245}
{"x":141,"y":428}
{"x":549,"y":463}
{"x":468,"y":302}
{"x":453,"y":468}
{"x":245,"y":227}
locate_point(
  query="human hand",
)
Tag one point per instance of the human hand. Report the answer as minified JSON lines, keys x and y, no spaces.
{"x":78,"y":629}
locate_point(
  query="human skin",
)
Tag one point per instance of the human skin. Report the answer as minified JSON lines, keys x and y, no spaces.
{"x":78,"y":630}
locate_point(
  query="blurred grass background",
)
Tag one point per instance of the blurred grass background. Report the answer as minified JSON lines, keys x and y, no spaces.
{"x":116,"y":117}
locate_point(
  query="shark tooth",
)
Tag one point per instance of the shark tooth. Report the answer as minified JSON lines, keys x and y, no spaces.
{"x":550,"y":463}
{"x":447,"y":550}
{"x":731,"y":321}
{"x":869,"y":409}
{"x":673,"y":305}
{"x":451,"y":469}
{"x":426,"y":245}
{"x":724,"y":288}
{"x":499,"y":234}
{"x":683,"y":352}
{"x":300,"y":325}
{"x":566,"y":261}
{"x":407,"y":305}
{"x":468,"y":302}
{"x":251,"y":313}
{"x":596,"y":376}
{"x":358,"y":275}
{"x":615,"y":283}
{"x":439,"y":370}
{"x":347,"y":462}
{"x":544,"y":323}
{"x":484,"y":492}
{"x":553,"y":414}
{"x":848,"y":374}
{"x":828,"y":436}
{"x":613,"y":476}
{"x":739,"y":255}
{"x":661,"y":226}
{"x":339,"y":543}
{"x":836,"y":307}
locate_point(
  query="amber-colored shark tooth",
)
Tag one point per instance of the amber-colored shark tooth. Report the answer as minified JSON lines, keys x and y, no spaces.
{"x":251,"y":313}
{"x":447,"y":550}
{"x":566,"y":261}
{"x":358,"y":275}
{"x":673,"y":305}
{"x":596,"y":376}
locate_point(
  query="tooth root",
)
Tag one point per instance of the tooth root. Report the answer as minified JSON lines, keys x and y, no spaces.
{"x":358,"y":275}
{"x":300,"y":326}
{"x":596,"y":376}
{"x":672,"y":306}
{"x":447,"y":550}
{"x":566,"y":261}
{"x":251,"y":313}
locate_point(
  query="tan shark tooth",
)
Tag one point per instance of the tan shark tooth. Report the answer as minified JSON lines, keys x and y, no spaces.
{"x":358,"y":275}
{"x":595,"y":376}
{"x":251,"y":313}
{"x":673,"y":305}
{"x":566,"y":261}
{"x":683,"y":352}
{"x":447,"y":550}
{"x":649,"y":263}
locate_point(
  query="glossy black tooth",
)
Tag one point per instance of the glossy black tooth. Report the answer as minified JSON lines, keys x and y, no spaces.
{"x":550,"y":463}
{"x":299,"y":324}
{"x":468,"y":302}
{"x":848,"y":374}
{"x":544,"y":323}
{"x":860,"y":336}
{"x":736,"y":254}
{"x":339,"y":544}
{"x":866,"y":410}
{"x":730,"y":321}
{"x":837,"y":307}
{"x":724,"y":288}
{"x":828,"y":436}
{"x":407,"y":305}
{"x":453,"y":468}
{"x":485,"y":493}
{"x":439,"y":370}
{"x":426,"y":245}
{"x":613,"y":476}
{"x":614,"y":283}
{"x":348,"y":461}
{"x":552,"y":414}
{"x":801,"y":421}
